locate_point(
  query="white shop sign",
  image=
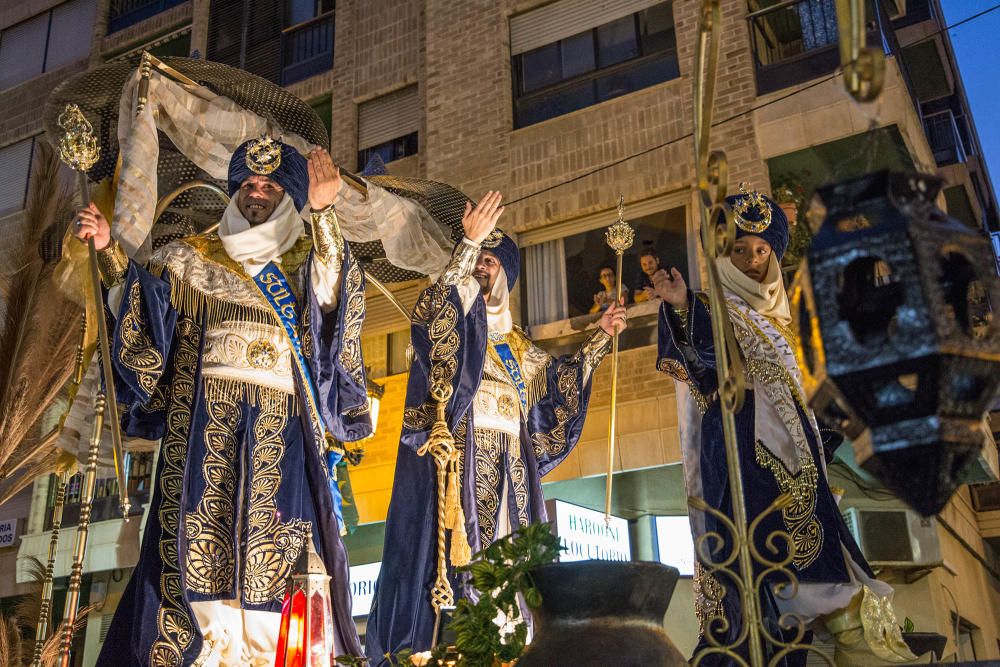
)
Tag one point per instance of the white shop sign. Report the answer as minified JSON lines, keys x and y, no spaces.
{"x":363,"y":579}
{"x":586,"y":537}
{"x":8,"y":533}
{"x":674,"y":544}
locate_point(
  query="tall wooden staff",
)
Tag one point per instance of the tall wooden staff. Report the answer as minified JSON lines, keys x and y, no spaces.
{"x":620,"y":237}
{"x":79,"y":150}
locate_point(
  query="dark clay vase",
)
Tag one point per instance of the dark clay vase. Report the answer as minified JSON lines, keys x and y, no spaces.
{"x":602,"y":613}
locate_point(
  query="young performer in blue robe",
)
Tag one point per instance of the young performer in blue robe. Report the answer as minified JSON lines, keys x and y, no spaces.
{"x":241,"y":351}
{"x":781,"y":451}
{"x":515,"y":411}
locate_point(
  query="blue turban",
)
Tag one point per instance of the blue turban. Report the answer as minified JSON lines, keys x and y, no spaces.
{"x":507,"y":252}
{"x":776,"y":233}
{"x":292,"y":174}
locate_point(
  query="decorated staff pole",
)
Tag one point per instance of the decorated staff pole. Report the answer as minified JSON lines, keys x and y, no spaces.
{"x":620,"y":237}
{"x":45,"y":612}
{"x":79,"y":150}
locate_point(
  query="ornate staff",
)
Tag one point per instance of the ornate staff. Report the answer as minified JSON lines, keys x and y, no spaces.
{"x":42,"y":630}
{"x":79,"y":150}
{"x":620,"y":237}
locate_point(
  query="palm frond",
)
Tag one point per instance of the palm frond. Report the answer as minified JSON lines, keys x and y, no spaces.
{"x":40,"y":327}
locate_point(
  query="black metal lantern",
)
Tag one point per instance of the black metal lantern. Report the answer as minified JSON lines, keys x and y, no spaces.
{"x":897,"y":338}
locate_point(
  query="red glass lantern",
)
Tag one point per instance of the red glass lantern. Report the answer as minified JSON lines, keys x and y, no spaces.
{"x":306,"y":635}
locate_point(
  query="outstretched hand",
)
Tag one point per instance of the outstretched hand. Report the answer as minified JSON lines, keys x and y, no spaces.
{"x":613,"y":320}
{"x":324,"y":180}
{"x":671,"y":287}
{"x":478,"y":222}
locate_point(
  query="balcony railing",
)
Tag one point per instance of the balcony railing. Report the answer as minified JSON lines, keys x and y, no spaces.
{"x":307,"y":49}
{"x":124,"y":13}
{"x":944,"y":138}
{"x":795,"y":41}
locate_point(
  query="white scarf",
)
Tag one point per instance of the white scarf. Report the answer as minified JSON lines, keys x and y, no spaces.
{"x":768,"y":297}
{"x":498,"y":318}
{"x":255,"y":246}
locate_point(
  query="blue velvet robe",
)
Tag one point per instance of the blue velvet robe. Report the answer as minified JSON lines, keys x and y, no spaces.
{"x":241,"y":467}
{"x":686,"y":352}
{"x":402,"y":615}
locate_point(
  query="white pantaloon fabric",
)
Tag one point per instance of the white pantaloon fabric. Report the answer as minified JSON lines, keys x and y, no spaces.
{"x":236,"y":637}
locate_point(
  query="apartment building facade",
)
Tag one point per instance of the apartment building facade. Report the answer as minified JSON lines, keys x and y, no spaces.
{"x":563,"y":106}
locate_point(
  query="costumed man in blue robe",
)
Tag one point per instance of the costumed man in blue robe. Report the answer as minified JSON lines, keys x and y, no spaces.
{"x":515,"y":412}
{"x":781,"y":451}
{"x":241,"y":351}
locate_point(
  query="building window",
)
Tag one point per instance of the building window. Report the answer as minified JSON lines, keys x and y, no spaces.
{"x":283,"y":43}
{"x":593,"y":58}
{"x":563,"y":276}
{"x":174,"y":43}
{"x":324,"y":109}
{"x":15,"y":164}
{"x":46,"y":42}
{"x":397,"y":358}
{"x":124,"y":13}
{"x":388,"y":126}
{"x":106,"y":503}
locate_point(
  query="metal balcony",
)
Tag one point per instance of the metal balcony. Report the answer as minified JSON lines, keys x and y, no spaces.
{"x":307,"y":49}
{"x":124,"y":13}
{"x":944,"y":138}
{"x":796,"y":41}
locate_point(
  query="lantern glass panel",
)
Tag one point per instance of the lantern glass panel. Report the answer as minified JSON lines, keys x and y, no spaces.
{"x":295,"y":651}
{"x":320,"y":630}
{"x":966,"y":294}
{"x":869,"y":297}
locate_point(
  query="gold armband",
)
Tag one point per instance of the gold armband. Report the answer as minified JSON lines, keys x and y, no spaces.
{"x":595,"y":348}
{"x":462,"y":263}
{"x":112,"y":262}
{"x":327,"y":239}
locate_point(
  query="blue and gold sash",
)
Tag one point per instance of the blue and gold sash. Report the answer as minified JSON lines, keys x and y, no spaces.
{"x":273,"y":284}
{"x":513,"y":369}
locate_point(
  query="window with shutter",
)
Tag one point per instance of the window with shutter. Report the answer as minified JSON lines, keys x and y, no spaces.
{"x":571,"y":54}
{"x":15,"y":165}
{"x":22,"y":50}
{"x":46,"y":42}
{"x":388,"y":126}
{"x":225,"y":31}
{"x":70,"y":33}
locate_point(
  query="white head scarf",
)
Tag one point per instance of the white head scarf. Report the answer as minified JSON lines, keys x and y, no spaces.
{"x":498,"y":317}
{"x":255,"y":246}
{"x":767,"y":297}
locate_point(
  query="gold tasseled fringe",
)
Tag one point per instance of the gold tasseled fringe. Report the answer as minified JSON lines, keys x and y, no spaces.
{"x":273,"y":400}
{"x":454,"y":518}
{"x":188,"y":300}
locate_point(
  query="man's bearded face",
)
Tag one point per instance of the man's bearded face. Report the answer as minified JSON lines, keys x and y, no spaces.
{"x":257,"y":198}
{"x":649,"y":264}
{"x":486,"y":271}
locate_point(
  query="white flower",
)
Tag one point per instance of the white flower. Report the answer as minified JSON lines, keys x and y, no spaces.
{"x":507,"y":623}
{"x":420,"y":659}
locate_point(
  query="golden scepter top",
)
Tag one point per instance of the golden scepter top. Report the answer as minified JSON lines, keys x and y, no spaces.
{"x":620,"y":235}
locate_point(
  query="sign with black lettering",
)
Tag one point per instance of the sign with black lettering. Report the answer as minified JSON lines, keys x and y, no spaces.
{"x":8,"y":533}
{"x":586,"y":536}
{"x":363,"y":578}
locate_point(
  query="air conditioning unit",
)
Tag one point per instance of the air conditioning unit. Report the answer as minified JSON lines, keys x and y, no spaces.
{"x":897,"y":538}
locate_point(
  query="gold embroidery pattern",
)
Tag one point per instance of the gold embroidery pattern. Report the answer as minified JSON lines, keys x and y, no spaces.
{"x":211,"y":567}
{"x":350,"y":353}
{"x":306,"y":336}
{"x":519,"y":483}
{"x":175,"y":626}
{"x":272,"y":546}
{"x":419,"y":418}
{"x":708,"y":594}
{"x":137,"y":353}
{"x":487,"y":463}
{"x":800,"y":516}
{"x":555,"y":442}
{"x":677,"y":371}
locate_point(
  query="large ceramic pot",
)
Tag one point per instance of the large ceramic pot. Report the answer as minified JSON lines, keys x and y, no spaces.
{"x":602,"y":613}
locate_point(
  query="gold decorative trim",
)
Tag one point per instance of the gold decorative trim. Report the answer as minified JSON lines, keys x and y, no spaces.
{"x":708,"y":595}
{"x":175,"y":626}
{"x":138,"y":353}
{"x":350,"y":352}
{"x":327,"y":239}
{"x":800,"y":515}
{"x":112,"y":262}
{"x":678,"y":372}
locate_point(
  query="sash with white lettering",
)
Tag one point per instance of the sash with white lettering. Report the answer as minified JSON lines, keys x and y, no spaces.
{"x":513,"y":371}
{"x":276,"y":290}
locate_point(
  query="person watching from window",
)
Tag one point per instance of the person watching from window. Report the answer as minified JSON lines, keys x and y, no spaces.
{"x":649,"y":261}
{"x":606,"y":296}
